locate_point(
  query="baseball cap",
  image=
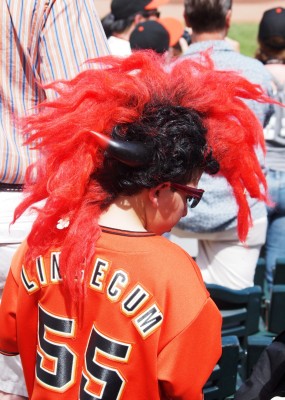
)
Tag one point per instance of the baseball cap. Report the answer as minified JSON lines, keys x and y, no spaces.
{"x":272,"y":28}
{"x":157,"y":35}
{"x":174,"y":27}
{"x":123,"y":9}
{"x":150,"y":35}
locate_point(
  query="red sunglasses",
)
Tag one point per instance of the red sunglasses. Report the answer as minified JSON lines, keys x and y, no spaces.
{"x":193,"y":195}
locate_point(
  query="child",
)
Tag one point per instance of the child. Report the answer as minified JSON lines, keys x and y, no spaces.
{"x":97,"y":302}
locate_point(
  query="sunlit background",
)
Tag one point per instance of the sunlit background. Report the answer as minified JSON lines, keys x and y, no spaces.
{"x":245,"y":17}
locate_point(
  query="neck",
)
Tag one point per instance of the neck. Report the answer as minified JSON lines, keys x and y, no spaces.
{"x":126,"y":34}
{"x":275,"y":61}
{"x":126,"y":213}
{"x":205,"y":36}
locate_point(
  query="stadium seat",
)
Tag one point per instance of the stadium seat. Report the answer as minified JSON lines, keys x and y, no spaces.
{"x":279,"y":272}
{"x":276,"y":311}
{"x":222,"y":382}
{"x":259,"y":276}
{"x":275,"y":324}
{"x":240,"y":310}
{"x":255,"y":346}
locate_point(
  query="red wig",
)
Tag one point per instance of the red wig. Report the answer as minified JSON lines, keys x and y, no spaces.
{"x":98,"y":100}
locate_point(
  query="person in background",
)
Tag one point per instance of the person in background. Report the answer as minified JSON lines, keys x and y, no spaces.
{"x":182,"y":44}
{"x":267,"y":380}
{"x":156,"y":35}
{"x":150,"y":35}
{"x":223,"y":256}
{"x":41,"y":41}
{"x":121,"y":21}
{"x":271,"y":52}
{"x":115,"y":305}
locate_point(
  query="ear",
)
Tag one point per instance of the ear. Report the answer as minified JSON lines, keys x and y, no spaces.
{"x":228,"y":19}
{"x":138,"y":18}
{"x":154,"y":193}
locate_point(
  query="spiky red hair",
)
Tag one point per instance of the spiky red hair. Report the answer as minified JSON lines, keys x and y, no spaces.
{"x":98,"y":99}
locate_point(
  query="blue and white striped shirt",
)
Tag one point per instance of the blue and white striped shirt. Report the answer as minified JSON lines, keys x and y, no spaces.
{"x":40,"y":41}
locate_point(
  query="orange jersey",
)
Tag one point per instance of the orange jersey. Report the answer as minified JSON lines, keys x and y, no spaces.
{"x":147,"y":328}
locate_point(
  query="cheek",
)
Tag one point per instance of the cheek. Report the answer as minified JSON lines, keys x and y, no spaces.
{"x":180,"y":210}
{"x":170,"y":211}
{"x":181,"y":205}
{"x":185,"y":211}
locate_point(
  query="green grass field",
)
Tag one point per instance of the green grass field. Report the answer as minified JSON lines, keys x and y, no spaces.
{"x":245,"y":34}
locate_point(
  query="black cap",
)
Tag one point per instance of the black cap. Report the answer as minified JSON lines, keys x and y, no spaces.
{"x":150,"y":35}
{"x":123,"y":9}
{"x":272,"y":28}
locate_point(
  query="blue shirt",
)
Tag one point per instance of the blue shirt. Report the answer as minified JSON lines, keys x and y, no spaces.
{"x":217,"y":210}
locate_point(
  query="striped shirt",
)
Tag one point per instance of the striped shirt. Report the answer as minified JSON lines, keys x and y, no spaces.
{"x":40,"y":41}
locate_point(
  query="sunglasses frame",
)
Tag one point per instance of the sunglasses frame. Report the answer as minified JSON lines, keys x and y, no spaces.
{"x":150,"y":13}
{"x":193,"y":193}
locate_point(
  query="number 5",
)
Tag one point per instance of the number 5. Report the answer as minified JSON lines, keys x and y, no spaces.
{"x":56,"y":362}
{"x":110,"y":379}
{"x":61,"y":376}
